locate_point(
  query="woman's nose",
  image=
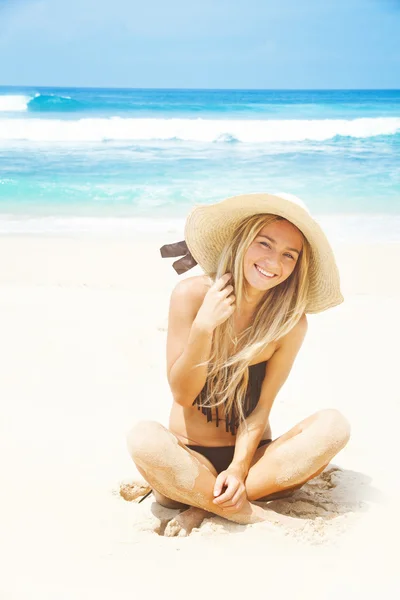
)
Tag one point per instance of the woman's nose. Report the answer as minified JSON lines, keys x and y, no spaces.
{"x":273,"y":259}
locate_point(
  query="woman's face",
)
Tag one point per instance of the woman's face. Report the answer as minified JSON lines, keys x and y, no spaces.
{"x":275,"y":251}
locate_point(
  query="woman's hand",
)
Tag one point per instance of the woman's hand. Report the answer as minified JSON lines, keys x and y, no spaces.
{"x":218,"y":304}
{"x":233,"y":497}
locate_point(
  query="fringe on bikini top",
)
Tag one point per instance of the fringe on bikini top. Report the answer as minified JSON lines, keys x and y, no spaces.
{"x":253,"y":391}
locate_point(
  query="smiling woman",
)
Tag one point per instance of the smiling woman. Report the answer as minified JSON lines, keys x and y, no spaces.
{"x":275,"y":259}
{"x":233,"y":335}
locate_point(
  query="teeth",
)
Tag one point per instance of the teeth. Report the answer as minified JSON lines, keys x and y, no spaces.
{"x":264,"y":272}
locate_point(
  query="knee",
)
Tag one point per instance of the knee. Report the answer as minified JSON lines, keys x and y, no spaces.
{"x":145,"y":438}
{"x":334,"y":427}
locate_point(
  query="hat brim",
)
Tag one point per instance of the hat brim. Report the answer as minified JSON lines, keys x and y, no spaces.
{"x":208,"y":227}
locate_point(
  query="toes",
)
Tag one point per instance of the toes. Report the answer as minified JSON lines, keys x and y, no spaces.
{"x":183,"y":524}
{"x":174,"y":529}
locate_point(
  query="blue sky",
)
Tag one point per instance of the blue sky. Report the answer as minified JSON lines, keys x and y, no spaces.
{"x":286,"y":44}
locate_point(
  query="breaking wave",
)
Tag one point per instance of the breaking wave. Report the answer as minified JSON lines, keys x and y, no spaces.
{"x":194,"y":130}
{"x":52,"y":102}
{"x":39,"y":103}
{"x":13,"y":103}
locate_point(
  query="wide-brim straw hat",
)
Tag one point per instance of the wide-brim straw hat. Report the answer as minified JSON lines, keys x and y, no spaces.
{"x":209,"y":226}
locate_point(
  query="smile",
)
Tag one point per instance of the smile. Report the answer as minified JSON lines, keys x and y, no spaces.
{"x":264,"y":273}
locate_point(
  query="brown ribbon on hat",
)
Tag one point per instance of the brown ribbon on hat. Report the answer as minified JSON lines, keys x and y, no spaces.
{"x":179,"y":249}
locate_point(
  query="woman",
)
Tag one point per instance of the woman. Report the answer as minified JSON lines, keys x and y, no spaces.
{"x":233,"y":335}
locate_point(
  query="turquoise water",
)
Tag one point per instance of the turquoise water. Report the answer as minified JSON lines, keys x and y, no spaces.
{"x":86,"y":153}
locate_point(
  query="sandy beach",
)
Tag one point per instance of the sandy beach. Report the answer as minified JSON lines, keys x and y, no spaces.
{"x":82,"y":355}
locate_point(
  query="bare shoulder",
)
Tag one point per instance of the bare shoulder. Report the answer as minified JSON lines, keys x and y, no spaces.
{"x":296,"y":335}
{"x":186,"y":299}
{"x":190,"y":292}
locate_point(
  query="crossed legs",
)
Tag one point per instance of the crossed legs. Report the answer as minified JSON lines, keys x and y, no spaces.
{"x":182,"y":477}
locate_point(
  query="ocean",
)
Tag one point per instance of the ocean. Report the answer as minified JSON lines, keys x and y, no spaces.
{"x":116,"y":159}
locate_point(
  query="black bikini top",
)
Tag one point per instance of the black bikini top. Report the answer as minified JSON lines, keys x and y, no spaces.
{"x":253,"y":391}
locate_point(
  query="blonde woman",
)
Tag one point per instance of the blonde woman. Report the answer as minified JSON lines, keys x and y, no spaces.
{"x":233,"y":335}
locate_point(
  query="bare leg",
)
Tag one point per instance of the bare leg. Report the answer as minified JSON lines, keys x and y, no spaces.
{"x":191,"y":516}
{"x":176,"y":473}
{"x":297,"y":456}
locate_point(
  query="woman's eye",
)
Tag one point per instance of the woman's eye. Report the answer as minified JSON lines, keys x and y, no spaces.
{"x":269,"y":246}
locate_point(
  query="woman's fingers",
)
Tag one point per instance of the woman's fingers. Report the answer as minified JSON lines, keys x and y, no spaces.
{"x":232,"y":486}
{"x":220,"y":483}
{"x":236,"y":503}
{"x":226,"y":291}
{"x":218,"y":304}
{"x":220,"y":283}
{"x":235,"y":499}
{"x":227,"y":495}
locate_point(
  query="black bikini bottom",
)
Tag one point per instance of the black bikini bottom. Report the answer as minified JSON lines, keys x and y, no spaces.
{"x":220,"y":456}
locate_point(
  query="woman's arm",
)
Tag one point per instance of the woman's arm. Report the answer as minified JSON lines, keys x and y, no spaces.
{"x":198,"y":306}
{"x":188,"y":343}
{"x":277,"y":370}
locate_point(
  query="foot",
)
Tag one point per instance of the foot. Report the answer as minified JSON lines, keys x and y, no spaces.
{"x":187,"y":520}
{"x":132,"y":490}
{"x":261,"y":514}
{"x":252,"y":513}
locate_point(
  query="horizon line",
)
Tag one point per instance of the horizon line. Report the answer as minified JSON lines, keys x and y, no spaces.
{"x":227,"y":89}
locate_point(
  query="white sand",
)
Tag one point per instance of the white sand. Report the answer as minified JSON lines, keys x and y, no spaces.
{"x":82,"y":356}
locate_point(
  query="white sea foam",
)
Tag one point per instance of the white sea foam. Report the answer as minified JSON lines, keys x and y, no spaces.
{"x":199,"y":130}
{"x":14,"y":103}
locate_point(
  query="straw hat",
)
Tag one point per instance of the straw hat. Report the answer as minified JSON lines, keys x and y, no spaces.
{"x":208,"y":227}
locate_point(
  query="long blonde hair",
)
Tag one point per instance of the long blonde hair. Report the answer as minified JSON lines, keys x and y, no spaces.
{"x":275,"y":315}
